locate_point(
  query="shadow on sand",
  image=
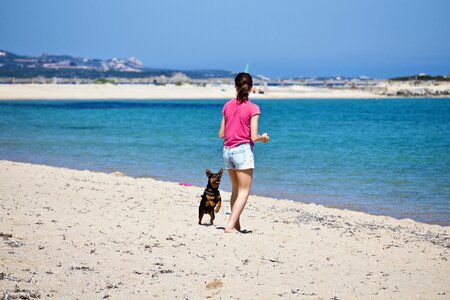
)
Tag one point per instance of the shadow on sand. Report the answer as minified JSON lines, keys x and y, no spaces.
{"x":244,"y":231}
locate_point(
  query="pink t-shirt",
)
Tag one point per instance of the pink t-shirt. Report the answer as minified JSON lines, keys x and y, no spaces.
{"x":237,"y":122}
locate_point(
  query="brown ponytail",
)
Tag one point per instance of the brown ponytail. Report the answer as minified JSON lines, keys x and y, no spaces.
{"x":244,"y":84}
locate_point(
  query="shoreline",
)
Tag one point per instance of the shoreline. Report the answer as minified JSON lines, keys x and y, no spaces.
{"x":272,"y":197}
{"x":69,"y":233}
{"x":154,"y":178}
{"x":118,"y":173}
{"x":186,"y":92}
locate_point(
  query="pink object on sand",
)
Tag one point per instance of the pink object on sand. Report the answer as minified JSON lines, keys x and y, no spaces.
{"x":184,"y":184}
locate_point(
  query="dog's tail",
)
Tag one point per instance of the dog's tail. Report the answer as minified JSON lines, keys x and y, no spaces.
{"x":219,"y":205}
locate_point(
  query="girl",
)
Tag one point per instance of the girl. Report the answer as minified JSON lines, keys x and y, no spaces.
{"x":239,"y":131}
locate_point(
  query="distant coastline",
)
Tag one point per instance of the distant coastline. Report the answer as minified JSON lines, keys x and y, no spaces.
{"x":53,"y":77}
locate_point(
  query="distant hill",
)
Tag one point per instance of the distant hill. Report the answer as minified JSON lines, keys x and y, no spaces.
{"x":66,"y":66}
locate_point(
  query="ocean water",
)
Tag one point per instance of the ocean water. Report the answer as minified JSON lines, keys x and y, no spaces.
{"x":388,"y":157}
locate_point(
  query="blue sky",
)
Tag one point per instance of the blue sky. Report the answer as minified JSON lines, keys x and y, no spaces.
{"x":283,"y":38}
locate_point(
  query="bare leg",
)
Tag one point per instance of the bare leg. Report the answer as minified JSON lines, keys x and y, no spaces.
{"x":234,"y":193}
{"x":244,"y":179}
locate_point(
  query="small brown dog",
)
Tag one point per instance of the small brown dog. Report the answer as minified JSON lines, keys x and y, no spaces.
{"x":211,"y":196}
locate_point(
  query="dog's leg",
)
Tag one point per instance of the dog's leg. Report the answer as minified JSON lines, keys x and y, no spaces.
{"x":219,"y":204}
{"x":211,"y":213}
{"x":200,"y":215}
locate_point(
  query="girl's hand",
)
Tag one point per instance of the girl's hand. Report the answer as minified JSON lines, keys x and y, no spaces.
{"x":265,"y":137}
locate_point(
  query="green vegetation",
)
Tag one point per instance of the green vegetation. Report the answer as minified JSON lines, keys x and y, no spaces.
{"x":421,"y":78}
{"x":70,"y":73}
{"x":104,"y":80}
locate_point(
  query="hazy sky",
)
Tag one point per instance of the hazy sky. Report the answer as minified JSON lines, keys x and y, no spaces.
{"x":379,"y":38}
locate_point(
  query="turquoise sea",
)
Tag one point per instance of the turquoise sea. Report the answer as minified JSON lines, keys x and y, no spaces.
{"x":388,"y":157}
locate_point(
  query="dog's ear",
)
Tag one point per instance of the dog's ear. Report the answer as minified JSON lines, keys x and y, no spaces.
{"x":208,"y":173}
{"x":220,"y":172}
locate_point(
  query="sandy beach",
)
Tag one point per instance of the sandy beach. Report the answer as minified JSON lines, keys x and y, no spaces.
{"x":170,"y":91}
{"x":72,"y":234}
{"x":221,"y":91}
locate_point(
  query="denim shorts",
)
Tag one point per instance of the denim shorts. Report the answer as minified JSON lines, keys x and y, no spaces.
{"x":239,"y":158}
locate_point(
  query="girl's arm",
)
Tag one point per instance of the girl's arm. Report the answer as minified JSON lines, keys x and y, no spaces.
{"x":221,"y":133}
{"x":254,"y":131}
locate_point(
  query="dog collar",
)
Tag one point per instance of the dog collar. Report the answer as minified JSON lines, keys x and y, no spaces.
{"x":209,"y":192}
